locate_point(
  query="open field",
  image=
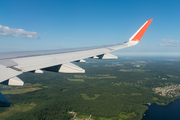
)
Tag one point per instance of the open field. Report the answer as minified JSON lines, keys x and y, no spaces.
{"x":95,"y":77}
{"x":136,"y":94}
{"x":21,"y":91}
{"x":133,"y":70}
{"x":77,"y":80}
{"x":155,"y":98}
{"x":85,"y":97}
{"x":18,"y":108}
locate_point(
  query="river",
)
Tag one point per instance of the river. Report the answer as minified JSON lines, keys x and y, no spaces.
{"x":169,"y":112}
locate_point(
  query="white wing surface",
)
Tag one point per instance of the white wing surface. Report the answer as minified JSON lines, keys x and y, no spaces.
{"x":13,"y":64}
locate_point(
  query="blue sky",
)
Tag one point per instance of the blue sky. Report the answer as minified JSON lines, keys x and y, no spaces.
{"x":57,"y":24}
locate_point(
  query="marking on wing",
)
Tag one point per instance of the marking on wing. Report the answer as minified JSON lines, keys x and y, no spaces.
{"x":138,"y":35}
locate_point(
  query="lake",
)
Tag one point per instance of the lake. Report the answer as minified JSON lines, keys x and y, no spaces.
{"x":157,"y":112}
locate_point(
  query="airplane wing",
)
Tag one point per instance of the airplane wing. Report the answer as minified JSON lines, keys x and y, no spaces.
{"x":14,"y":64}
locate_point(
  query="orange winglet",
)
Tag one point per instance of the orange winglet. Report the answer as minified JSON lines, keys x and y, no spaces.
{"x":138,"y":35}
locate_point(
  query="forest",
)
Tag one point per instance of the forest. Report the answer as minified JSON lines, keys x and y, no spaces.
{"x":109,"y":90}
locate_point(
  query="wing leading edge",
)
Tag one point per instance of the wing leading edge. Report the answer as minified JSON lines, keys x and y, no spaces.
{"x":14,"y":64}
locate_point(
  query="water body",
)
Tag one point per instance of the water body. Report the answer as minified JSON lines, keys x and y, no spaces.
{"x":157,"y":112}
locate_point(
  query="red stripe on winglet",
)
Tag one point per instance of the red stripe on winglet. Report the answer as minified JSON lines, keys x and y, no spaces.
{"x":142,"y":31}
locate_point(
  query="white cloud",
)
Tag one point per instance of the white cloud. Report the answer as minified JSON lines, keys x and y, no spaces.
{"x":6,"y":31}
{"x":169,"y":43}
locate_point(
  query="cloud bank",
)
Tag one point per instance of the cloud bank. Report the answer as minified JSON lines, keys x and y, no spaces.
{"x":6,"y":31}
{"x":169,"y":43}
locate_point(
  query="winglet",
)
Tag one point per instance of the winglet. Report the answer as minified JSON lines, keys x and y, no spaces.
{"x":138,"y":35}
